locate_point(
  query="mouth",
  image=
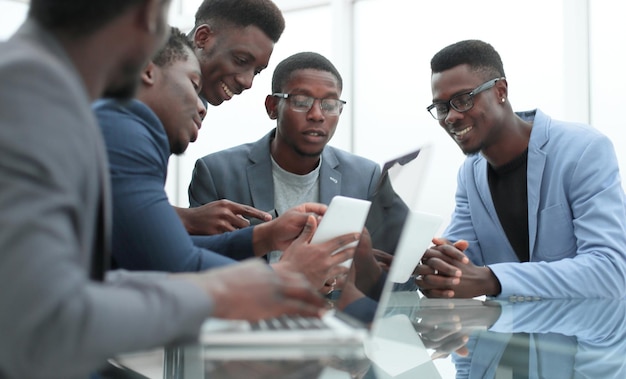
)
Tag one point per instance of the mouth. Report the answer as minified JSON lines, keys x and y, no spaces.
{"x":315,"y":136}
{"x":460,"y":134}
{"x":229,"y":93}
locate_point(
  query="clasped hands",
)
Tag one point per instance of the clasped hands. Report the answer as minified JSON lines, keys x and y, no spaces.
{"x":445,"y":325}
{"x":446,"y":272}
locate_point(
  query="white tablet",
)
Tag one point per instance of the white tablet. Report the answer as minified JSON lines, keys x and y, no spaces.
{"x":344,"y":215}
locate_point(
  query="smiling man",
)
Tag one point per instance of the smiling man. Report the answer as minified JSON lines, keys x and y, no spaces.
{"x":293,"y":164}
{"x":234,"y":41}
{"x":540,"y":206}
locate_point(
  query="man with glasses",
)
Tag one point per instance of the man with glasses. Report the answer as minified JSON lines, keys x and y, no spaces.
{"x":540,"y":209}
{"x":292,"y":164}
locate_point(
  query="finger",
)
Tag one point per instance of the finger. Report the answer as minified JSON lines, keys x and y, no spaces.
{"x":461,"y":245}
{"x":309,"y":229}
{"x":437,"y":266}
{"x":453,"y":344}
{"x":234,"y":221}
{"x":454,"y":252}
{"x":438,"y":241}
{"x":316,"y":208}
{"x":342,"y":256}
{"x":337,"y":271}
{"x":443,"y":332}
{"x":248,"y":211}
{"x":382,"y":256}
{"x":341,"y":242}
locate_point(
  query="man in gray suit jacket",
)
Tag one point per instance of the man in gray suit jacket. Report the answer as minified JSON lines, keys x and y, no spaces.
{"x":61,"y":317}
{"x":292,"y":164}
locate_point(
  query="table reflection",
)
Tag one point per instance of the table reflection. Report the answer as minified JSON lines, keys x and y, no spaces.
{"x":437,"y":338}
{"x":527,"y":338}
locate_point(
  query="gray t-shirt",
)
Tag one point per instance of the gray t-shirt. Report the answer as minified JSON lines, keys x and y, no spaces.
{"x":291,"y":190}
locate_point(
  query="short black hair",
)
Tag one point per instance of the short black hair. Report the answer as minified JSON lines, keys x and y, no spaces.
{"x":261,"y":13}
{"x":77,"y":17}
{"x":479,"y":55}
{"x":302,"y":61}
{"x":177,"y":48}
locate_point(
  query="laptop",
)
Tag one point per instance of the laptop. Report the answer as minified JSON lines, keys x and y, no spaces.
{"x":335,"y":328}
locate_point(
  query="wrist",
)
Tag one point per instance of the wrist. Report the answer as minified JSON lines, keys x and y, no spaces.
{"x":186,"y":216}
{"x":492,"y":284}
{"x":261,"y":239}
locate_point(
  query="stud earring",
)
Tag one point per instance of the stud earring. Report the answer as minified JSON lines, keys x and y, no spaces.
{"x":503,"y":99}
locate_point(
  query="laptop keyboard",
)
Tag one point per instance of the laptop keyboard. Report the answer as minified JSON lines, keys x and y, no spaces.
{"x":289,"y":323}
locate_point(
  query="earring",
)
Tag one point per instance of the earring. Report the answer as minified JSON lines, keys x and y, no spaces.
{"x":503,"y":100}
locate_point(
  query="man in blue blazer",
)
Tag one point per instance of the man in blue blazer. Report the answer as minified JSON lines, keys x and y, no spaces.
{"x":539,"y":201}
{"x":293,"y":164}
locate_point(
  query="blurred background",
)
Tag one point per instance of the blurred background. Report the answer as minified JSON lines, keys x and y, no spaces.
{"x":565,"y":57}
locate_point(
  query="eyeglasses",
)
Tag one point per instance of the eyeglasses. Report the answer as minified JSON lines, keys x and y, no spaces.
{"x":304,"y":103}
{"x":460,"y":103}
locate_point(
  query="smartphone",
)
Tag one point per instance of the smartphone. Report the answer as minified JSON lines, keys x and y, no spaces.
{"x":344,"y":215}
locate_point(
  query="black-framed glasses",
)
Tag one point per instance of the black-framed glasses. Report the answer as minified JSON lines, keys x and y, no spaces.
{"x":461,"y":103}
{"x":304,"y":103}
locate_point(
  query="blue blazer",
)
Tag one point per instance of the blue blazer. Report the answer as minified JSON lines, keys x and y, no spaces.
{"x":568,"y":338}
{"x":576,"y":216}
{"x":244,"y":174}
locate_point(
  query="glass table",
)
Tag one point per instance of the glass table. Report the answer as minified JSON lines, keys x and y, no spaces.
{"x":437,"y":338}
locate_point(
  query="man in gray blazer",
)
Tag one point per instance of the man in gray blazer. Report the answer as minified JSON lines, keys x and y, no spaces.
{"x":61,"y":317}
{"x":293,"y":164}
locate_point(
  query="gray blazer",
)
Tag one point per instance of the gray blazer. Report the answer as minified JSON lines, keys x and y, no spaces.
{"x":244,"y":174}
{"x":54,"y":211}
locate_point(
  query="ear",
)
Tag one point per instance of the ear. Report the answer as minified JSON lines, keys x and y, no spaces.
{"x":271,"y":106}
{"x":203,"y":36}
{"x":148,"y":74}
{"x":502,"y":89}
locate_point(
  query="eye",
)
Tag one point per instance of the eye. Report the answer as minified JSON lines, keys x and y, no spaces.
{"x":241,"y":61}
{"x":197,"y":86}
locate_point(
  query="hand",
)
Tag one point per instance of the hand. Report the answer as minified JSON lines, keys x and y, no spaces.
{"x":279,"y":233}
{"x":366,"y":270}
{"x":447,"y":272}
{"x":318,"y":262}
{"x":250,"y":290}
{"x":445,"y":325}
{"x":219,"y":217}
{"x":384,"y":259}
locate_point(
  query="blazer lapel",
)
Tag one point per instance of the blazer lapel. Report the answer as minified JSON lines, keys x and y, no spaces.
{"x":330,"y":177}
{"x":259,"y":174}
{"x":536,"y":164}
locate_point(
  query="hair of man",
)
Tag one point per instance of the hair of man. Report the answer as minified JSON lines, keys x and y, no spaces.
{"x":302,"y":61}
{"x":177,"y":48}
{"x":478,"y":55}
{"x":261,"y":13}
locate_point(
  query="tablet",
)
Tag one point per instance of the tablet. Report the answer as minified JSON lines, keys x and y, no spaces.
{"x":344,"y":215}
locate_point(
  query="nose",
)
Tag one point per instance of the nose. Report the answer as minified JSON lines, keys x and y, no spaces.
{"x":315,"y":113}
{"x":201,"y":108}
{"x":452,"y":116}
{"x":245,"y":79}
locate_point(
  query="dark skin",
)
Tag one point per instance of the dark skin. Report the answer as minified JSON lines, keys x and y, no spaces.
{"x":492,"y":129}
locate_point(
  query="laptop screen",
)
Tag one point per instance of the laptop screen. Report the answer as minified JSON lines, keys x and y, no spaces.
{"x":399,"y":233}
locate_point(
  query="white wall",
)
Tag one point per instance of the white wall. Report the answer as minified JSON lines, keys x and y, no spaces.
{"x":563,"y":56}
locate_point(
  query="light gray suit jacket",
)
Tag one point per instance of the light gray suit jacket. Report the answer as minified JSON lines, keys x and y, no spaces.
{"x":244,"y":174}
{"x":55,"y":321}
